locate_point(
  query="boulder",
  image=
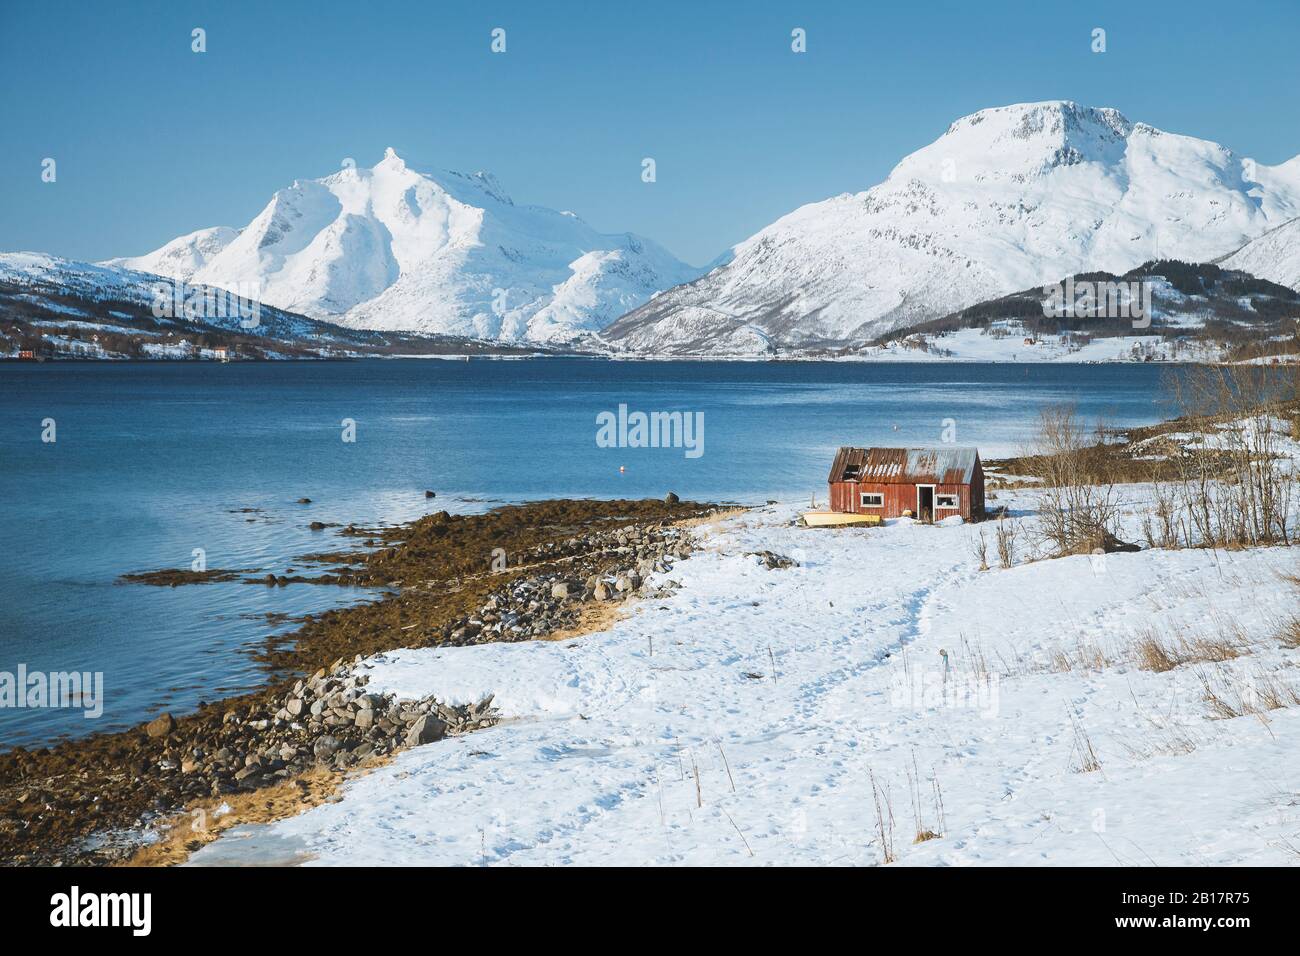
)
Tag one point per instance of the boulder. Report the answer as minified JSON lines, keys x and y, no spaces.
{"x":160,"y":726}
{"x":426,"y":730}
{"x":325,"y":746}
{"x":671,"y":499}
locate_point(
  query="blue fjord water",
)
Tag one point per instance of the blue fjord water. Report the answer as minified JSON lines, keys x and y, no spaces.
{"x":154,"y":460}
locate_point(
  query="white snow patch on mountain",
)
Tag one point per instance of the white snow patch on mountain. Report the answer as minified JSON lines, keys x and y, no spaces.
{"x":183,"y":256}
{"x":1274,"y":256}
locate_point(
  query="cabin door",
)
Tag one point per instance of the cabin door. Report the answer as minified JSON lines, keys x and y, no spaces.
{"x":925,"y":502}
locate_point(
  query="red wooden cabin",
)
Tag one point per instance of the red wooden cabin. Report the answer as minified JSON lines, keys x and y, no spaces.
{"x":929,"y":483}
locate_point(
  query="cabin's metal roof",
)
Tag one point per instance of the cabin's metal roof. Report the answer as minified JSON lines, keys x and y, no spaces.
{"x":947,"y":465}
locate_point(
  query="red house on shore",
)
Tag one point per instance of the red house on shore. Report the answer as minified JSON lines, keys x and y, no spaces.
{"x":929,"y":483}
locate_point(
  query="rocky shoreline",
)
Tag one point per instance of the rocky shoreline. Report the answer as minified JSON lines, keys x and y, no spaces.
{"x":523,"y":572}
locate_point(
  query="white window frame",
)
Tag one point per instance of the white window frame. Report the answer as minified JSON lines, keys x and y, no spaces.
{"x":939,"y":499}
{"x":864,"y":495}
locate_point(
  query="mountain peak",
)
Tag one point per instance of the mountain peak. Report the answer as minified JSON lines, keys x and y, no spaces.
{"x":391,"y":159}
{"x":1059,"y":122}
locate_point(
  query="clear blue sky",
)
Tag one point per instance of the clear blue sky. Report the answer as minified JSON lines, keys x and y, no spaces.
{"x":153,"y":140}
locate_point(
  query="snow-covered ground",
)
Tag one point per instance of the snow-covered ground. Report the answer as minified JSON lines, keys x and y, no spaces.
{"x":972,"y":345}
{"x":745,"y":718}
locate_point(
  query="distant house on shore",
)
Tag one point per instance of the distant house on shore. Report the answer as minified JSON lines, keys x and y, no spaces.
{"x":928,"y":483}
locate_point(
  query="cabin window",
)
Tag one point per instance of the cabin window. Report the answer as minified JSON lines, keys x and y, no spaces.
{"x":873,"y":499}
{"x":946,"y":501}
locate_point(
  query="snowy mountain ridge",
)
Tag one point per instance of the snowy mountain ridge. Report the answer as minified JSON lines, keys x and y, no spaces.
{"x":395,"y":248}
{"x":1006,"y":199}
{"x":1274,"y":256}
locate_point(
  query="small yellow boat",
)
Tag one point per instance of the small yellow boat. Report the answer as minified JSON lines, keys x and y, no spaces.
{"x":836,"y":519}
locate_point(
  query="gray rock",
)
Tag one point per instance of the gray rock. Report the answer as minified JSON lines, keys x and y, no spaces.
{"x":425,"y":731}
{"x":326,"y":746}
{"x":365,"y":719}
{"x":160,"y":726}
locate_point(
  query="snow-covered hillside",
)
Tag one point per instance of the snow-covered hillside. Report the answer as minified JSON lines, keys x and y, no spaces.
{"x":60,"y":307}
{"x":393,"y":248}
{"x":760,"y":717}
{"x":184,"y":256}
{"x":1008,"y":198}
{"x":1274,"y":256}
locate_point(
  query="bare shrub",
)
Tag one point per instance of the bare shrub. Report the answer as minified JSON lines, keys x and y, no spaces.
{"x":1077,"y":507}
{"x":1229,"y":483}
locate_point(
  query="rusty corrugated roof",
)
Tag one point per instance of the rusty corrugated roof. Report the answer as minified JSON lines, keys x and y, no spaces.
{"x":946,"y":465}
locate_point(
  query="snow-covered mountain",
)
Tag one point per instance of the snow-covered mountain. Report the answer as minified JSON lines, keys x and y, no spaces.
{"x":88,"y":293}
{"x":1274,"y":256}
{"x":1006,"y":199}
{"x":393,"y":248}
{"x":183,"y":256}
{"x":60,"y":307}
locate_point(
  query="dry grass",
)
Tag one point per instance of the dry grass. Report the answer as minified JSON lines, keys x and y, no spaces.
{"x":1006,"y":542}
{"x":710,"y":519}
{"x":1086,"y":655}
{"x":1083,"y":753}
{"x":199,"y":824}
{"x":884,"y":821}
{"x":1288,"y":633}
{"x":1229,"y":696}
{"x":1156,"y":653}
{"x":980,"y":548}
{"x":923,"y":831}
{"x":595,"y":616}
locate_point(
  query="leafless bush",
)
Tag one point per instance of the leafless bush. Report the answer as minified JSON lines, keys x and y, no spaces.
{"x":1229,"y":483}
{"x":1077,"y":507}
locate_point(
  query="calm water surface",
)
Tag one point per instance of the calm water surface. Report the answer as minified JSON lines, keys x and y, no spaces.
{"x":154,"y":460}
